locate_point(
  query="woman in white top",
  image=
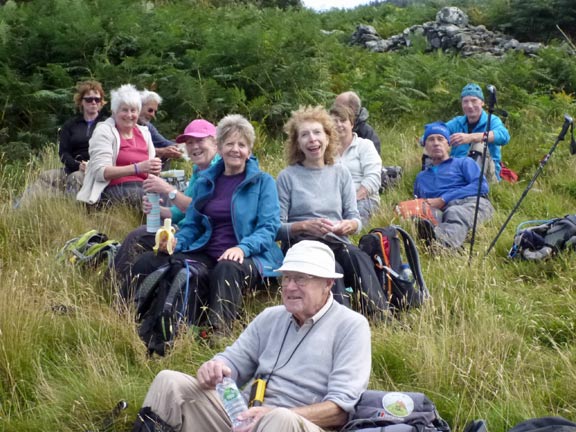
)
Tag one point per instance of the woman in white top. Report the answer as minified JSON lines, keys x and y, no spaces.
{"x":121,"y":154}
{"x":361,"y":159}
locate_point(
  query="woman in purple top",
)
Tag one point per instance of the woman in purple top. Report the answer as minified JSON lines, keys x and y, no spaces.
{"x":229,"y":231}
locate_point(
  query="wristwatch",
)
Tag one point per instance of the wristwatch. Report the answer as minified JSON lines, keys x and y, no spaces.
{"x":172,"y":194}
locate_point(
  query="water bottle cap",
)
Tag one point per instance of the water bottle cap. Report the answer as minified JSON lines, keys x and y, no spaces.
{"x":404,"y":266}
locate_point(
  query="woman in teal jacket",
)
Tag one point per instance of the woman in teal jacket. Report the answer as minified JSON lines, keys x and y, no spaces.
{"x":229,"y":230}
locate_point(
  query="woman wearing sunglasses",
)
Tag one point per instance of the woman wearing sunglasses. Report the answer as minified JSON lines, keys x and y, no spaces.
{"x":121,"y":154}
{"x":72,"y":145}
{"x":76,"y":132}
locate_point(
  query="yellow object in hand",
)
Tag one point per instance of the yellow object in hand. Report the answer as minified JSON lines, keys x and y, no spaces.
{"x":165,"y":238}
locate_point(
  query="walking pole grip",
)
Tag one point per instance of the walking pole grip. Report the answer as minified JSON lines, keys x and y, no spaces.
{"x":492,"y":99}
{"x":567,"y":122}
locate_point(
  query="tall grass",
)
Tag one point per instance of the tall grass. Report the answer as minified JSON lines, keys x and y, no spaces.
{"x":496,"y":341}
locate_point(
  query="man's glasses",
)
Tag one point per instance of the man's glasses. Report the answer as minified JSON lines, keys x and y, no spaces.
{"x":91,"y":99}
{"x":152,"y":111}
{"x":301,"y":280}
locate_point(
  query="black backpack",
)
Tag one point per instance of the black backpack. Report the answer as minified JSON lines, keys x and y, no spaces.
{"x":166,"y":299}
{"x":381,"y":411}
{"x":390,"y":176}
{"x":539,"y":239}
{"x":383,"y":245}
{"x":545,"y":424}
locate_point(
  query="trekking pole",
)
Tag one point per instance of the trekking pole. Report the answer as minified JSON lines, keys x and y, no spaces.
{"x":491,"y":102}
{"x":568,"y":122}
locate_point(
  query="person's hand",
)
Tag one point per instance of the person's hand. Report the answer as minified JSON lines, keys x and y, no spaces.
{"x":361,"y":193}
{"x":156,"y":184}
{"x":459,"y":138}
{"x":233,"y":254}
{"x":345,"y":227}
{"x":211,"y":373}
{"x":318,"y":227}
{"x":436,"y":203}
{"x":146,"y":205}
{"x":83,"y":165}
{"x":172,"y":152}
{"x":253,"y":414}
{"x":163,"y":245}
{"x":150,"y":166}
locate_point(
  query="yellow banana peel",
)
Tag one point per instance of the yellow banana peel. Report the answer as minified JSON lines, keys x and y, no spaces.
{"x":165,"y":236}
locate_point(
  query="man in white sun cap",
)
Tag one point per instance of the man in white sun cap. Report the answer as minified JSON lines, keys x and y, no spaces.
{"x":313,"y":353}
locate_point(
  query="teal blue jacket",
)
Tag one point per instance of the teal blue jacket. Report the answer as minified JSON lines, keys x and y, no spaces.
{"x":501,"y":137}
{"x":255,"y":216}
{"x":177,"y":214}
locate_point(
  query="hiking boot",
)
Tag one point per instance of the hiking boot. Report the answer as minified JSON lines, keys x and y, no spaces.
{"x":425,"y":230}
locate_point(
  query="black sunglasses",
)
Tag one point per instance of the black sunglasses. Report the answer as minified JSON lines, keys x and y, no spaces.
{"x":152,"y":110}
{"x":91,"y":99}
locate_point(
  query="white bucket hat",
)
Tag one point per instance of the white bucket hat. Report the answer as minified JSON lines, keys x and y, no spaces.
{"x":310,"y":257}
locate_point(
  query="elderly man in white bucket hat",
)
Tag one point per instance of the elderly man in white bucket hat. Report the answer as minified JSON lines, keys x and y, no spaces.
{"x":313,"y":354}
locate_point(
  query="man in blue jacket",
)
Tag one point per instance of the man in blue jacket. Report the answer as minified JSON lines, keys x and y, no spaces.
{"x":469,"y":129}
{"x":450,"y":185}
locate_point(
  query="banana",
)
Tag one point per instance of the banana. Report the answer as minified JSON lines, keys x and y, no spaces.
{"x":165,"y":236}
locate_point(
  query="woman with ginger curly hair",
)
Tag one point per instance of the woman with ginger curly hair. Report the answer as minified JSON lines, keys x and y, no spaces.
{"x":318,"y":202}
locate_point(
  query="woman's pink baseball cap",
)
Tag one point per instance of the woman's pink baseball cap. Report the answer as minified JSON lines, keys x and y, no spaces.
{"x":198,"y":128}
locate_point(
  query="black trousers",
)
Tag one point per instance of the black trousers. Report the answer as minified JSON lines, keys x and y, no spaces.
{"x":221,"y":287}
{"x":135,"y":244}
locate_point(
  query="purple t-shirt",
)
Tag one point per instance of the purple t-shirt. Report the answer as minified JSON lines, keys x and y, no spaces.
{"x":219,"y":210}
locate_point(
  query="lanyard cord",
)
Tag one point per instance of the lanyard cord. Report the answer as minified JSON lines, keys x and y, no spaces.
{"x":274,"y":369}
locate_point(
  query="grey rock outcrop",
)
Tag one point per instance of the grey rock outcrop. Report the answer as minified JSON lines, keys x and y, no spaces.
{"x":450,"y":32}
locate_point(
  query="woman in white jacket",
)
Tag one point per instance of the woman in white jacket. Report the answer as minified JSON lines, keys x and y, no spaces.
{"x":362,"y":160}
{"x":121,"y":154}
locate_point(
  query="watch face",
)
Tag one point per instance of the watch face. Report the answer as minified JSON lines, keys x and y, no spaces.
{"x":172,"y":194}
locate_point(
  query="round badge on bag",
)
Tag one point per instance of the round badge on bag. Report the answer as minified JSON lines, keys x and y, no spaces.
{"x":398,"y":404}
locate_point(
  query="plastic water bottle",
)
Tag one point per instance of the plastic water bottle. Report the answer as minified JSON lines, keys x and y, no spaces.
{"x":232,"y":400}
{"x":153,"y":218}
{"x":406,"y":273}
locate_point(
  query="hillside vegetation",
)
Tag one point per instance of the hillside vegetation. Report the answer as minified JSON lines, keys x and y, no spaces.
{"x":497,"y":341}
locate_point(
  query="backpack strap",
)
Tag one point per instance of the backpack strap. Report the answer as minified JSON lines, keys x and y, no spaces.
{"x":148,"y":421}
{"x":386,"y":263}
{"x":413,"y":260}
{"x":147,"y":289}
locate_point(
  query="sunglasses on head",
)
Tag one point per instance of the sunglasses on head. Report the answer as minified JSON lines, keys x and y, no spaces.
{"x":91,"y":99}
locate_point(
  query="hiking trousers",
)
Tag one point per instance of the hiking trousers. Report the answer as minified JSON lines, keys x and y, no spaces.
{"x":458,"y":218}
{"x":178,"y":399}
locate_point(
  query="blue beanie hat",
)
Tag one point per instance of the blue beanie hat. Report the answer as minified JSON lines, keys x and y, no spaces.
{"x":436,"y":128}
{"x":472,"y":90}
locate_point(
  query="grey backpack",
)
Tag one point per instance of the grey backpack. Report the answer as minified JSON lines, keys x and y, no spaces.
{"x":381,"y":411}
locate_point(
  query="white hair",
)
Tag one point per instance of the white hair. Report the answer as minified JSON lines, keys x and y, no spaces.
{"x":126,"y":94}
{"x":150,"y":96}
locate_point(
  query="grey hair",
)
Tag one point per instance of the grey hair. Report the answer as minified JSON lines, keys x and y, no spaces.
{"x":126,"y":94}
{"x":352,"y":100}
{"x":235,"y":123}
{"x":150,"y":96}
